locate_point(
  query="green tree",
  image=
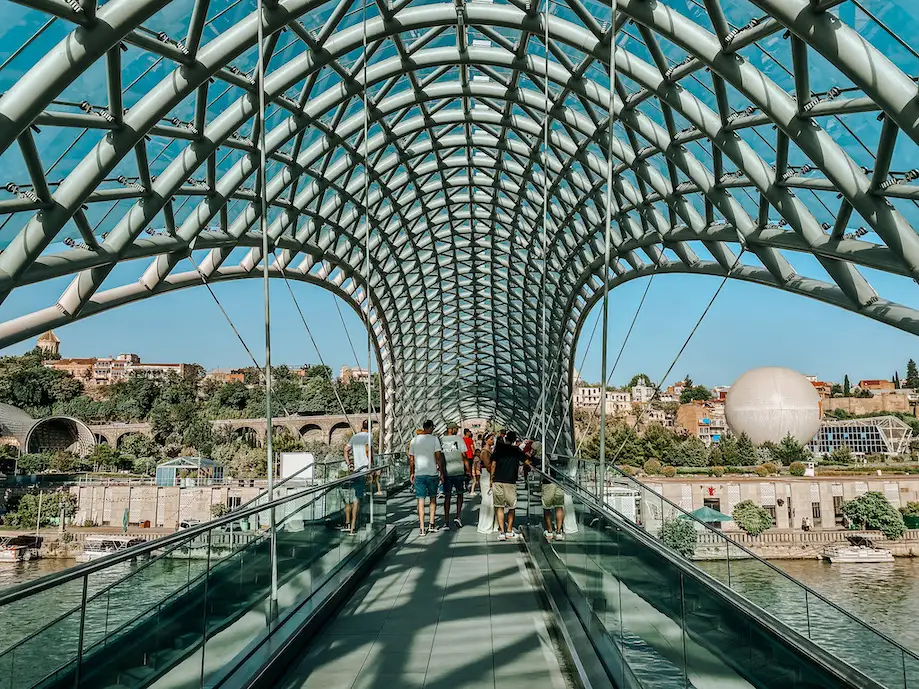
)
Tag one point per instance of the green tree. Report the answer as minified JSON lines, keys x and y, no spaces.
{"x":846,"y":387}
{"x":836,"y":390}
{"x":318,"y":396}
{"x":789,"y":451}
{"x":639,"y":379}
{"x":896,"y":380}
{"x":728,"y":451}
{"x":285,"y":441}
{"x":26,"y":515}
{"x":317,"y":371}
{"x":233,"y":396}
{"x":796,"y":469}
{"x":106,"y":458}
{"x":691,"y":453}
{"x":27,"y":384}
{"x":679,"y":535}
{"x":697,"y":392}
{"x":746,"y":451}
{"x":34,"y":463}
{"x":751,"y":517}
{"x":659,"y":442}
{"x":137,"y":445}
{"x":144,"y":466}
{"x":623,"y":446}
{"x":841,"y":455}
{"x":912,"y":375}
{"x":872,"y":510}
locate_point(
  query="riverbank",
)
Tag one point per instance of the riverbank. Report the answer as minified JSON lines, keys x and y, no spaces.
{"x":65,"y":545}
{"x":788,"y":544}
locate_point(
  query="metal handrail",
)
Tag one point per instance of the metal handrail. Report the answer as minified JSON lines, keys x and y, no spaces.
{"x":280,"y":483}
{"x":52,"y":580}
{"x":732,"y":543}
{"x":818,"y":653}
{"x":148,"y":563}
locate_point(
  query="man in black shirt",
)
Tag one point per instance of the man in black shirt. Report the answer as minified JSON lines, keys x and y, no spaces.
{"x":504,"y":466}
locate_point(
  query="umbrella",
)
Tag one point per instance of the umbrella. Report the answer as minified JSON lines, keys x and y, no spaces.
{"x":707,"y":515}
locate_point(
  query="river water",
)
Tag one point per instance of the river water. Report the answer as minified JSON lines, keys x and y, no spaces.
{"x":41,"y":632}
{"x":884,"y":595}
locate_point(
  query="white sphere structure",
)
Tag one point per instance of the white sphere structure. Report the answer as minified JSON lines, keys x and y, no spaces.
{"x":771,"y":402}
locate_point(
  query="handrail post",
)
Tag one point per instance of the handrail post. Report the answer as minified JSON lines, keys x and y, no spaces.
{"x":76,"y":682}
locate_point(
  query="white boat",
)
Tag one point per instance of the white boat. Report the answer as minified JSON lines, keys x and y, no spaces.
{"x":18,"y":549}
{"x":860,"y":549}
{"x":96,"y":546}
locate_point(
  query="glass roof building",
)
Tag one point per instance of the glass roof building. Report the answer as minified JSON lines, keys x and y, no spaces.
{"x":745,"y":134}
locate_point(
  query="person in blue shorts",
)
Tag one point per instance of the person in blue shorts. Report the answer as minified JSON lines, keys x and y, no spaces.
{"x":424,"y":458}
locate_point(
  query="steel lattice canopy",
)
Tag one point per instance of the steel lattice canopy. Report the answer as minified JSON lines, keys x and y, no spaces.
{"x":786,"y":127}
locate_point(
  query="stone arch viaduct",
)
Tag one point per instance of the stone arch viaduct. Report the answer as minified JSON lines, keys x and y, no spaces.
{"x":326,"y":429}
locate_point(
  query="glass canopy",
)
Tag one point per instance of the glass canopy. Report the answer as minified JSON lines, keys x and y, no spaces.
{"x":772,"y":140}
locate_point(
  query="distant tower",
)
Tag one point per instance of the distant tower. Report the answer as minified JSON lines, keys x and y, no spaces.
{"x":49,"y":344}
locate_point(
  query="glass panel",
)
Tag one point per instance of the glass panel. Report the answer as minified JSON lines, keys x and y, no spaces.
{"x":186,"y":610}
{"x":644,"y":573}
{"x":855,"y":643}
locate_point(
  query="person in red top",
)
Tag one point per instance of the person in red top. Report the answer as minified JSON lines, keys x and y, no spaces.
{"x":468,"y":457}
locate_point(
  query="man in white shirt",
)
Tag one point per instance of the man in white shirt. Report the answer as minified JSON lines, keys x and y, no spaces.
{"x":424,"y":458}
{"x":358,"y":454}
{"x":454,"y":472}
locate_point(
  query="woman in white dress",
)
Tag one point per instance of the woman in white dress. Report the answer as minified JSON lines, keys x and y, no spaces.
{"x":487,"y":522}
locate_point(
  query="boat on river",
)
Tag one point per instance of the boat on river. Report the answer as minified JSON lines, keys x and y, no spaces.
{"x":860,"y":550}
{"x":19,"y":548}
{"x":96,"y":546}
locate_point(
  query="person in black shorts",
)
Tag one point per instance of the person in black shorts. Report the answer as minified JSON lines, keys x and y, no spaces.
{"x":453,"y":473}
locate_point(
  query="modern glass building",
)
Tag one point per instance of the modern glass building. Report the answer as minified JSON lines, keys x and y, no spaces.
{"x":880,"y":435}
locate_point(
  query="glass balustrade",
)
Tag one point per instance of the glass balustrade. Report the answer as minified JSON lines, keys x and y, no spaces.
{"x":606,"y":555}
{"x":187,"y":604}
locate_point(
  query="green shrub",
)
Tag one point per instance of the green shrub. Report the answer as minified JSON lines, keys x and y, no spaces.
{"x":668,"y":471}
{"x":751,"y":517}
{"x":66,"y":537}
{"x":680,"y":535}
{"x":761,"y":470}
{"x":911,"y":509}
{"x":796,"y":469}
{"x":628,"y":469}
{"x":841,"y":455}
{"x":771,"y":467}
{"x":873,"y":511}
{"x":218,"y":509}
{"x":652,"y":466}
{"x":717,"y":471}
{"x":89,"y":523}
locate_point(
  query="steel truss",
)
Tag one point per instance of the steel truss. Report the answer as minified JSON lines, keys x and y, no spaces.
{"x":713,"y":151}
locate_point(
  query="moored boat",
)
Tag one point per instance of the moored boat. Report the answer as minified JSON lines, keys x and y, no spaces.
{"x":96,"y":546}
{"x":860,"y":549}
{"x":18,"y":548}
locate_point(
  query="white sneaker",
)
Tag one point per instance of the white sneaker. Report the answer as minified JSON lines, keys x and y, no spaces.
{"x":457,"y":523}
{"x":559,"y":535}
{"x":502,"y":536}
{"x":513,"y":535}
{"x":548,"y":534}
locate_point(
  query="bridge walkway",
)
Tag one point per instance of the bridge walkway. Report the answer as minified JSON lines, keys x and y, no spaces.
{"x":451,"y":609}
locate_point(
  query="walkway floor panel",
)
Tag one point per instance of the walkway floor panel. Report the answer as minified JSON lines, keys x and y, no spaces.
{"x":447,"y":610}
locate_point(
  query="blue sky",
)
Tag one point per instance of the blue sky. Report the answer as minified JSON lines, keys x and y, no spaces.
{"x":748,"y":326}
{"x":187,"y":326}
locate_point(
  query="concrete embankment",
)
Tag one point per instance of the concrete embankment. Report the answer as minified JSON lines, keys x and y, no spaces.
{"x":777,"y":544}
